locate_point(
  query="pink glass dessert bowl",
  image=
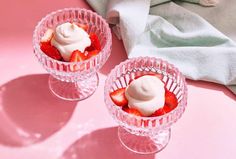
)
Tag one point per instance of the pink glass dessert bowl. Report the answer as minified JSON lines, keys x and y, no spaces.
{"x":145,"y":135}
{"x":64,"y":82}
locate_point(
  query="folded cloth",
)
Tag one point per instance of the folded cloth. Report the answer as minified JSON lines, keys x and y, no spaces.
{"x":175,"y":34}
{"x":100,"y":6}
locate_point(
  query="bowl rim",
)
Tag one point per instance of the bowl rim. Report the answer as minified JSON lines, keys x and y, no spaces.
{"x":107,"y":45}
{"x":181,"y":104}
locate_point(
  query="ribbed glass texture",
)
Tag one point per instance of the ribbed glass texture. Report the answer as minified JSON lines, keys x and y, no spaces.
{"x":126,"y":71}
{"x":65,"y":71}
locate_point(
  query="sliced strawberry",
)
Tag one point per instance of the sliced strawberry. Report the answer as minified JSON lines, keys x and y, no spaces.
{"x":171,"y":101}
{"x":132,"y":111}
{"x":95,"y":43}
{"x":118,"y":97}
{"x":47,"y":36}
{"x":158,"y":112}
{"x":167,"y":109}
{"x":50,"y":50}
{"x":77,"y":56}
{"x":83,"y":26}
{"x":92,"y":53}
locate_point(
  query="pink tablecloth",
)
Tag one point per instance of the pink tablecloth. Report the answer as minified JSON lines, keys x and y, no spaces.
{"x":34,"y":124}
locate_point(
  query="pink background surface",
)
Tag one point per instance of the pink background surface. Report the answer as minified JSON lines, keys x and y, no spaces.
{"x":34,"y":124}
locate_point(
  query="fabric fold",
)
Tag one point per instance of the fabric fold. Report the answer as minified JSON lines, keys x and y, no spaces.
{"x":170,"y":32}
{"x":126,"y":16}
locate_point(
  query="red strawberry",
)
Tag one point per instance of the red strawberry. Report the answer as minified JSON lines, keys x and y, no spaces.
{"x":77,"y":56}
{"x":171,"y":101}
{"x":83,"y":26}
{"x":132,"y":111}
{"x":158,"y":112}
{"x":167,"y":109}
{"x":95,"y":43}
{"x":50,"y":50}
{"x":118,"y":97}
{"x":92,"y":53}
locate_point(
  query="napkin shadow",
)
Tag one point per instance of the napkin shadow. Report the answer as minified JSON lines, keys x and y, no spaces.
{"x":213,"y":86}
{"x":118,"y":55}
{"x":102,"y":143}
{"x":29,"y":112}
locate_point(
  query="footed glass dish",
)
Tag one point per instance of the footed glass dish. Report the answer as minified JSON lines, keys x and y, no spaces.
{"x":145,"y":135}
{"x":73,"y":80}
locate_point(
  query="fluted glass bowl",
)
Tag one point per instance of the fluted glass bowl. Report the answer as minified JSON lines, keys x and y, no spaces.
{"x":145,"y":135}
{"x":64,"y":81}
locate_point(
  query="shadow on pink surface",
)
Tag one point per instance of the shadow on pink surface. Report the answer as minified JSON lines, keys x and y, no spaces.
{"x":29,"y":112}
{"x":118,"y":55}
{"x":102,"y":143}
{"x":213,"y":86}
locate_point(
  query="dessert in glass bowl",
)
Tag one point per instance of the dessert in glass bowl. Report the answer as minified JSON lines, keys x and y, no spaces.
{"x":145,"y":95}
{"x":72,"y":44}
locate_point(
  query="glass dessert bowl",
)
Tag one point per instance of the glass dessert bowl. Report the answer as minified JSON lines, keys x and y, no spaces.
{"x":145,"y":134}
{"x":73,"y":80}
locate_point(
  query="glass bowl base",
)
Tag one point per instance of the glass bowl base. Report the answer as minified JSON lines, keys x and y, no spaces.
{"x":73,"y":91}
{"x":144,"y":144}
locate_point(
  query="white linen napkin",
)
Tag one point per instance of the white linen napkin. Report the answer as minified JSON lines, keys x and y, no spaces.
{"x":170,"y":32}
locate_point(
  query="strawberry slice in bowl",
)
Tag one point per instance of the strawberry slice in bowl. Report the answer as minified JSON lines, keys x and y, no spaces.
{"x":50,"y":50}
{"x":171,"y":101}
{"x":158,"y":112}
{"x":118,"y":97}
{"x":132,"y":111}
{"x":77,"y":56}
{"x":47,"y":48}
{"x":92,"y":53}
{"x":95,"y":43}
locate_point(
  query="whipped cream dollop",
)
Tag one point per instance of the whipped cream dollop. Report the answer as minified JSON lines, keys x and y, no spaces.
{"x":146,"y":94}
{"x":68,"y":37}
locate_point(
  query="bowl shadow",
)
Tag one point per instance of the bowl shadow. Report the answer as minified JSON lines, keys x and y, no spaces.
{"x":118,"y":54}
{"x":29,"y":112}
{"x":102,"y":143}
